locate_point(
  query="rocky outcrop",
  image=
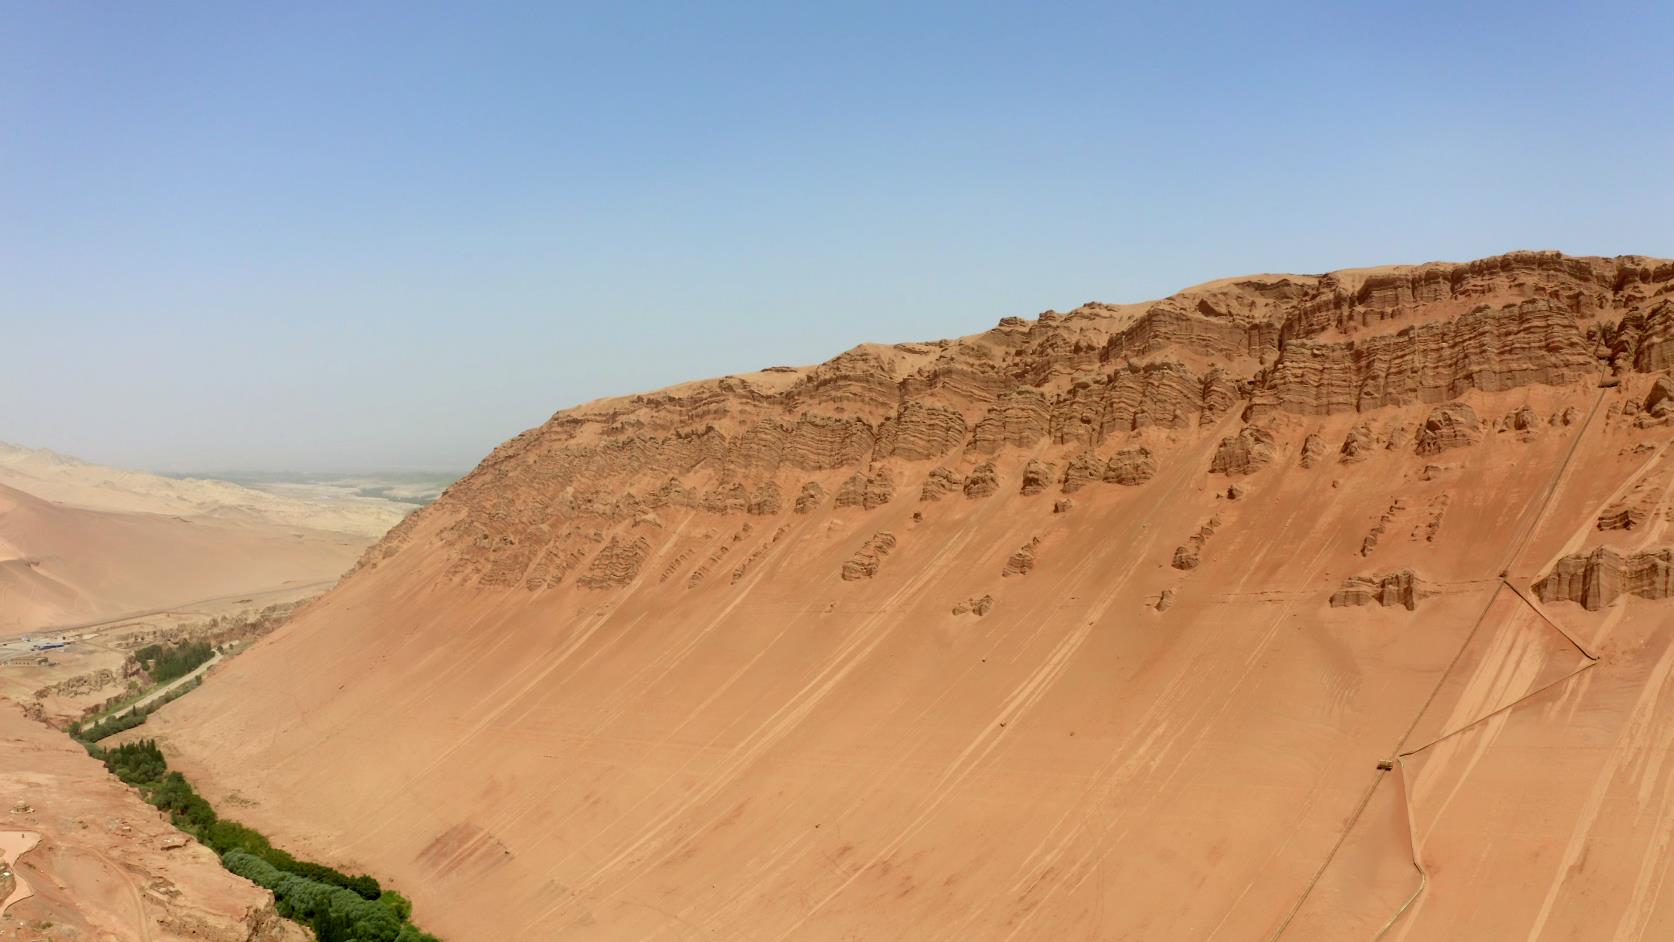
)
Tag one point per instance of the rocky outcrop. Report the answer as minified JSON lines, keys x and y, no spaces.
{"x":1661,"y":397}
{"x":1645,"y":341}
{"x":983,"y":481}
{"x":1396,"y":508}
{"x":1357,"y":445}
{"x":1453,"y":425}
{"x":1313,"y":450}
{"x":88,"y":683}
{"x":1261,"y":346}
{"x":1130,"y":467}
{"x":819,"y":442}
{"x":617,"y":564}
{"x":1022,"y":562}
{"x":1082,"y":470}
{"x":1247,"y":452}
{"x":921,"y":431}
{"x":852,"y":493}
{"x":1038,"y":475}
{"x":1523,"y":420}
{"x":756,"y":554}
{"x":941,"y":481}
{"x":1189,"y":554}
{"x":727,"y":499}
{"x":1020,"y":420}
{"x":1164,"y":395}
{"x":1490,"y":349}
{"x":866,"y":560}
{"x":765,"y":500}
{"x":1636,"y":507}
{"x":810,"y":497}
{"x":979,"y":606}
{"x":1598,"y":578}
{"x":1402,"y":588}
{"x":866,"y":490}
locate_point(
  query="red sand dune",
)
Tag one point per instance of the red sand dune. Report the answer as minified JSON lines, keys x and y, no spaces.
{"x":62,"y":564}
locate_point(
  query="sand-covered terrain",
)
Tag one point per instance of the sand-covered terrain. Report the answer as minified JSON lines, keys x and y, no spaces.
{"x":1304,"y":607}
{"x":64,"y":565}
{"x":81,"y":543}
{"x":61,"y":479}
{"x":95,"y":562}
{"x":90,"y":860}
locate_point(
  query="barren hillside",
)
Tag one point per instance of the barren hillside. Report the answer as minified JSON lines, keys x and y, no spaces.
{"x":61,"y":479}
{"x":61,"y":565}
{"x":81,"y":542}
{"x":1306,"y":607}
{"x":86,"y":858}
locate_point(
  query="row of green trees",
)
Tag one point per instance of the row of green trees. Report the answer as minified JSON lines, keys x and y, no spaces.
{"x":337,"y":906}
{"x":168,"y":662}
{"x":335,"y":914}
{"x":111,"y":725}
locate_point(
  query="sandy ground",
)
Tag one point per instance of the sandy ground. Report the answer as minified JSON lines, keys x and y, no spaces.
{"x":67,"y":565}
{"x":107,"y":866}
{"x":92,"y":666}
{"x":13,"y":845}
{"x":792,"y":756}
{"x":61,"y":479}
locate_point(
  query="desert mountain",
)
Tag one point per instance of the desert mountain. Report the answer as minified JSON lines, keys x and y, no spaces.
{"x":80,"y":542}
{"x":65,"y":480}
{"x":1290,"y":606}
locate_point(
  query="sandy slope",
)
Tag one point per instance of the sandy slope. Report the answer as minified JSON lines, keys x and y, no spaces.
{"x":61,"y":565}
{"x":572,"y":701}
{"x":80,"y":542}
{"x":810,"y":759}
{"x":104,"y":865}
{"x":65,"y":480}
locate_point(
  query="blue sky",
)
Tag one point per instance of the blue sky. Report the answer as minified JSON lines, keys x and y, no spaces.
{"x":390,"y":235}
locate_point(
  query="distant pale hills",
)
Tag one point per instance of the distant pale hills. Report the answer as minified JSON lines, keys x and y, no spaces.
{"x":80,"y":541}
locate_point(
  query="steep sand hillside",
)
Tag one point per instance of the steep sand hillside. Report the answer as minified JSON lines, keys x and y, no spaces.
{"x":65,"y":480}
{"x":64,"y":565}
{"x":94,"y":862}
{"x":81,"y":542}
{"x":1273,"y":609}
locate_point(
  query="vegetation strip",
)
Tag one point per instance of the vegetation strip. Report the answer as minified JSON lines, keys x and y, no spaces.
{"x":336,"y":906}
{"x":171,"y":662}
{"x":111,"y":725}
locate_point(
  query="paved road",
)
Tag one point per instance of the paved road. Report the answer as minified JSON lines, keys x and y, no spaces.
{"x":154,"y":695}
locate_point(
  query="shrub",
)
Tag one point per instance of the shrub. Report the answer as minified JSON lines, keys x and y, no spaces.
{"x":165,"y":663}
{"x":338,"y":907}
{"x":333,"y":912}
{"x":137,"y":763}
{"x":402,"y":906}
{"x":185,"y":806}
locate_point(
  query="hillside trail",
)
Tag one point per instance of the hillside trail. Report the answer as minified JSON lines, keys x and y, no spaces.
{"x":164,"y":690}
{"x":1398,"y":764}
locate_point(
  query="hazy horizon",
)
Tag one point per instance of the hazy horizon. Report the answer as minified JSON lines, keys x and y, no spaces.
{"x":324,"y":238}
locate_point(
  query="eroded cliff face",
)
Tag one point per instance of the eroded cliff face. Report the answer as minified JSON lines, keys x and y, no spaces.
{"x":1069,"y":384}
{"x":1598,"y":578}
